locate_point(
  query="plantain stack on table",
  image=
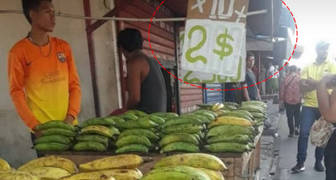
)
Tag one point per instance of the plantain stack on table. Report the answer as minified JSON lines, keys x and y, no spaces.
{"x":45,"y":168}
{"x":119,"y":167}
{"x":50,"y":167}
{"x":97,"y":134}
{"x":138,"y":132}
{"x":56,"y":136}
{"x":230,"y":134}
{"x":190,"y":166}
{"x":185,"y":133}
{"x":235,"y":128}
{"x":257,"y":110}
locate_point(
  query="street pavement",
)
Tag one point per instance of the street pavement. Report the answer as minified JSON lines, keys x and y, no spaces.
{"x":287,"y":156}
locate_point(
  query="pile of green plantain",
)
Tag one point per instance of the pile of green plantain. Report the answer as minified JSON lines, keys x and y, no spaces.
{"x":97,"y":134}
{"x":56,"y":136}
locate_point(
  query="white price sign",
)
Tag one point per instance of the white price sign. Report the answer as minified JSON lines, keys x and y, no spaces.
{"x":200,"y":77}
{"x":213,"y":47}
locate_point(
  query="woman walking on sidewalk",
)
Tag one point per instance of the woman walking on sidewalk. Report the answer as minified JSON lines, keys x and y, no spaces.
{"x":290,"y":95}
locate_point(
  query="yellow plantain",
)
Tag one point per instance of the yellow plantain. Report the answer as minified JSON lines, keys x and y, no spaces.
{"x":17,"y":175}
{"x":4,"y":166}
{"x":176,"y":173}
{"x":50,"y":161}
{"x":50,"y":173}
{"x":230,"y":120}
{"x":118,"y":174}
{"x":197,"y":160}
{"x":128,"y":161}
{"x":214,"y":175}
{"x":217,"y":107}
{"x":100,"y":178}
{"x":101,"y":130}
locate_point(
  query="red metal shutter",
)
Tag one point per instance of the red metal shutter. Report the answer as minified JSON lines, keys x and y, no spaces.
{"x":190,"y":96}
{"x":162,"y":33}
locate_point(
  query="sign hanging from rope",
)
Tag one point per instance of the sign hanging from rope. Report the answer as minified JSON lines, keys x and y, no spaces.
{"x":214,"y":40}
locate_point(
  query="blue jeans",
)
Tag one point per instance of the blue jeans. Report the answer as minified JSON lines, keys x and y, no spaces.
{"x":330,"y":158}
{"x":307,"y":118}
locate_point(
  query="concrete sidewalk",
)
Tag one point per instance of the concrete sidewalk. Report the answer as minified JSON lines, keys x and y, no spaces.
{"x":269,"y":156}
{"x":287,"y":157}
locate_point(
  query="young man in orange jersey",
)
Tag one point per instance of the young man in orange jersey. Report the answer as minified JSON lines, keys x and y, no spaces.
{"x":44,"y":83}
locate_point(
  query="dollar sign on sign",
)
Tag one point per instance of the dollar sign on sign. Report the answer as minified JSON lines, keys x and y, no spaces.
{"x":226,"y":48}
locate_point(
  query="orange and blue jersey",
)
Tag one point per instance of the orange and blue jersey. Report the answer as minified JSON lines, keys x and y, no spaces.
{"x":43,"y":81}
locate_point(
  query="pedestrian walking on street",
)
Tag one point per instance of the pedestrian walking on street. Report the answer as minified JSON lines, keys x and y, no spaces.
{"x":290,"y":96}
{"x":327,"y":106}
{"x":310,"y":78}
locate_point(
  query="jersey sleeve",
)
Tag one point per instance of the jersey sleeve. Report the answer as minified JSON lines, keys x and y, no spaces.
{"x":74,"y":86}
{"x":16,"y":88}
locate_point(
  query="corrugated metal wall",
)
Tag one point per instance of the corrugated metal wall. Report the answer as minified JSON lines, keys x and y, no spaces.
{"x":189,"y":97}
{"x":162,"y":33}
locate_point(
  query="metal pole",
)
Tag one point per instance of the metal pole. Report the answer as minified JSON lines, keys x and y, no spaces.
{"x":106,"y":18}
{"x":259,"y":70}
{"x":177,"y":82}
{"x":87,"y":12}
{"x":120,"y":26}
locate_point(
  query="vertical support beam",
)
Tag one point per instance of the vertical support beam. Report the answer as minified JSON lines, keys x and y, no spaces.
{"x":259,"y":69}
{"x":205,"y":94}
{"x":223,"y":92}
{"x":272,"y":9}
{"x":87,"y":12}
{"x":120,"y":26}
{"x":177,"y":82}
{"x":92,"y":27}
{"x":119,"y":4}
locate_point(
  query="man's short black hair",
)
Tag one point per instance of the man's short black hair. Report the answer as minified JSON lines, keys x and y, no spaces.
{"x":249,"y":54}
{"x":130,"y":39}
{"x":28,"y":5}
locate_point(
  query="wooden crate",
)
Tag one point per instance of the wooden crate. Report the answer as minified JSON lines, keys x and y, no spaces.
{"x":240,"y":166}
